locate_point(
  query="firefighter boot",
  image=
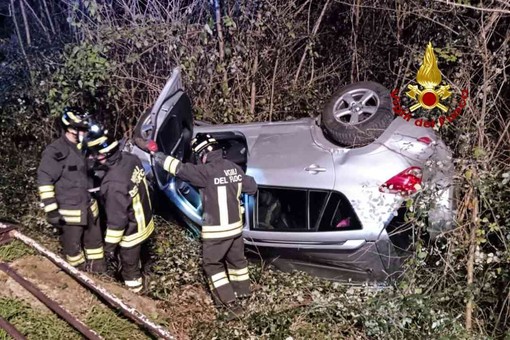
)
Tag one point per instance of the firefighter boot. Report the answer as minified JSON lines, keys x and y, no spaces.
{"x":216,"y":300}
{"x":112,"y":264}
{"x":97,"y":266}
{"x":82,"y":267}
{"x":135,"y":285}
{"x":233,"y":311}
{"x":254,"y":287}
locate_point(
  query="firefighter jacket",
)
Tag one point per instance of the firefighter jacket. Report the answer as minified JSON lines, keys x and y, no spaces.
{"x":127,"y":202}
{"x":221,"y":183}
{"x":63,"y":182}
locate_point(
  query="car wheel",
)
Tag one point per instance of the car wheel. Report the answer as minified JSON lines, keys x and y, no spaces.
{"x":357,"y":114}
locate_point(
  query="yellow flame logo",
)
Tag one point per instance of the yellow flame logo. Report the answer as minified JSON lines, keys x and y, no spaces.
{"x":429,"y":77}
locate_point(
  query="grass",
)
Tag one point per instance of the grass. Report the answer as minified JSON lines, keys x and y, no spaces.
{"x":33,"y":323}
{"x":39,"y":325}
{"x":14,"y":250}
{"x":110,"y":325}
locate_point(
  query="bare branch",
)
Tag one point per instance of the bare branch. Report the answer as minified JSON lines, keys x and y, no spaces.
{"x":25,"y":22}
{"x":48,"y":16}
{"x":456,"y":4}
{"x":37,"y":19}
{"x":272,"y":87}
{"x":314,"y":32}
{"x":18,"y":33}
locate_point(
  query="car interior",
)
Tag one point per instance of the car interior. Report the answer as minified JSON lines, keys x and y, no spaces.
{"x":174,"y":135}
{"x":290,"y":209}
{"x":234,"y":147}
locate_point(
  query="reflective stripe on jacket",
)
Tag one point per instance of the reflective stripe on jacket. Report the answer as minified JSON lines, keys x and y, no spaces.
{"x":127,"y":203}
{"x":221,"y":183}
{"x":63,"y":181}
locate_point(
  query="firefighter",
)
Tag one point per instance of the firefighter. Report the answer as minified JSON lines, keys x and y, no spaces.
{"x":221,"y":183}
{"x":125,"y":195}
{"x":64,"y":182}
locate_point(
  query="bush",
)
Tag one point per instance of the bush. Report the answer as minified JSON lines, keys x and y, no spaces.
{"x":279,"y":60}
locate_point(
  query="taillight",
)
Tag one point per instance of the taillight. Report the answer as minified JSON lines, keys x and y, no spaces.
{"x":405,"y":183}
{"x":425,"y":140}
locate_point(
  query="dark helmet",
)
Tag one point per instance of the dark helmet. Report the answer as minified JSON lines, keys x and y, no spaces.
{"x":75,"y":118}
{"x":97,"y":141}
{"x":202,"y":144}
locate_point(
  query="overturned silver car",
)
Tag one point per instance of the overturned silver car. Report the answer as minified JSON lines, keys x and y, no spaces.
{"x":332,"y":190}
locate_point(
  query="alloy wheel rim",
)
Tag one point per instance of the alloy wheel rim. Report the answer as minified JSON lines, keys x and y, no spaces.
{"x":356,"y":106}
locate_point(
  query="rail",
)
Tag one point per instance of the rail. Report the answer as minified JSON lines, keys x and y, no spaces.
{"x":9,"y":232}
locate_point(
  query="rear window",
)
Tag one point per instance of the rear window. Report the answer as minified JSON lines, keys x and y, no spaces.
{"x":302,"y":210}
{"x":338,"y":215}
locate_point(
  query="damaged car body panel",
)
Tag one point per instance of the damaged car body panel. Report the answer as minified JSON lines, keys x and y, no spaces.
{"x":320,"y":207}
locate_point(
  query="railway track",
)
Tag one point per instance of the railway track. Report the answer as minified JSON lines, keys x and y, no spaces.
{"x":9,"y":233}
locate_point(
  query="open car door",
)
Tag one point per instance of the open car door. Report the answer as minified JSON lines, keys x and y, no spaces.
{"x":172,"y":121}
{"x":170,"y":124}
{"x":172,"y":114}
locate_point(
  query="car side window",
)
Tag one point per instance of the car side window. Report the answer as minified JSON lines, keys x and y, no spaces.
{"x":166,"y":139}
{"x":338,"y":215}
{"x":281,"y":210}
{"x":316,"y":201}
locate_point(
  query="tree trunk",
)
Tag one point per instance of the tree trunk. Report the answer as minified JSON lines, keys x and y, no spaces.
{"x":221,"y":44}
{"x":471,"y":261}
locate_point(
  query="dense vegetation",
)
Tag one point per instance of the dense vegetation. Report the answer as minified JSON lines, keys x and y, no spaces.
{"x":275,"y":60}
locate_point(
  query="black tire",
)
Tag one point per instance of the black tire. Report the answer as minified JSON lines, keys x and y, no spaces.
{"x":348,"y":124}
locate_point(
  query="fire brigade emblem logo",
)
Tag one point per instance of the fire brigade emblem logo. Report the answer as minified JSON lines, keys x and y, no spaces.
{"x":428,"y":95}
{"x":429,"y":77}
{"x":138,"y":175}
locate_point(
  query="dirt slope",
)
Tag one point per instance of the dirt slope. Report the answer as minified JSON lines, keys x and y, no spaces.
{"x":178,"y":313}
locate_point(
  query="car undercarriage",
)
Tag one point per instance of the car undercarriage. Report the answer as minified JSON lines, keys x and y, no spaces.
{"x":323,"y":206}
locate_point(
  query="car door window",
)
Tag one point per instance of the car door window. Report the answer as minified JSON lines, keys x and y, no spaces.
{"x":169,"y":134}
{"x":316,"y":200}
{"x":289,"y":209}
{"x":175,"y":131}
{"x":338,"y":215}
{"x":281,"y":210}
{"x":170,"y":123}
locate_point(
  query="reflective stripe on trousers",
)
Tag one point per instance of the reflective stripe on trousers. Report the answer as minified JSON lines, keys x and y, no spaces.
{"x":94,"y":254}
{"x":238,"y":274}
{"x":75,"y":260}
{"x":219,"y":279}
{"x":113,"y":235}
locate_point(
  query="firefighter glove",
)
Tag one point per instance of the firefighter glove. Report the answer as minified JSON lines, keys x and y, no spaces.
{"x":54,"y":218}
{"x":159,"y":157}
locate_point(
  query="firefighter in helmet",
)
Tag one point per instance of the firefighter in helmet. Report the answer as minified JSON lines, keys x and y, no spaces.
{"x":126,"y":199}
{"x":64,"y":182}
{"x":221,"y":183}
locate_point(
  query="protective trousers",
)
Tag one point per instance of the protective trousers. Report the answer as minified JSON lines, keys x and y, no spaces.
{"x":228,"y":254}
{"x":131,"y":267}
{"x":73,"y":236}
